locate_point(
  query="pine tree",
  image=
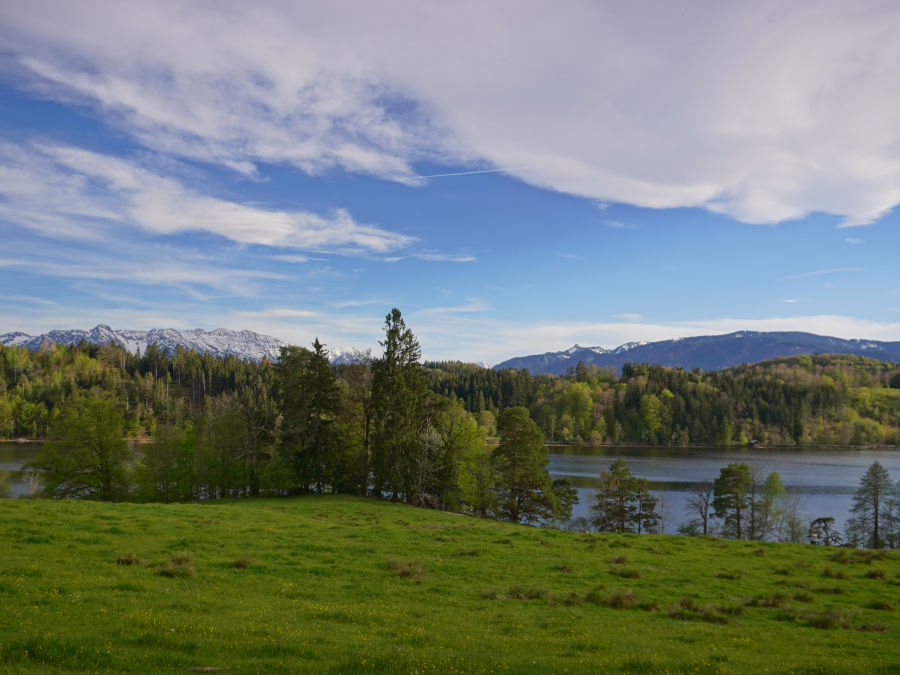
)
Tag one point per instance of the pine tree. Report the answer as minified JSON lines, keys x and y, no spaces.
{"x":398,"y":392}
{"x":864,"y":528}
{"x":624,"y":502}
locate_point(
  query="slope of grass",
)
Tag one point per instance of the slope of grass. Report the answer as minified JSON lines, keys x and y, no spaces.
{"x":347,"y":585}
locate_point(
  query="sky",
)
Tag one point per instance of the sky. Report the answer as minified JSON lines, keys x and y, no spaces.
{"x":515,"y":176}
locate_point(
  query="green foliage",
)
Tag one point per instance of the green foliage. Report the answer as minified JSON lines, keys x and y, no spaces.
{"x":525,"y":491}
{"x":731,"y":500}
{"x":398,"y":393}
{"x":310,"y":402}
{"x":86,"y":455}
{"x":623,"y":502}
{"x":873,"y":523}
{"x":808,"y":400}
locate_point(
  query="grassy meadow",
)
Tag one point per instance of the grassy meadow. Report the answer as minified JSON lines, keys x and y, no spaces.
{"x":351,"y":585}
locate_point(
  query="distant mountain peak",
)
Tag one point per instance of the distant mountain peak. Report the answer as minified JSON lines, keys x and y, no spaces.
{"x":219,"y":342}
{"x":710,"y":352}
{"x":244,"y":344}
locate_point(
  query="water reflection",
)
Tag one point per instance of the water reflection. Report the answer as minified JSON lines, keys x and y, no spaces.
{"x":12,"y":457}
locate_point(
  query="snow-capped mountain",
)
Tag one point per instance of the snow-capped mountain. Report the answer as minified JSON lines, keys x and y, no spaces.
{"x":244,"y":344}
{"x":711,"y":352}
{"x":343,"y":355}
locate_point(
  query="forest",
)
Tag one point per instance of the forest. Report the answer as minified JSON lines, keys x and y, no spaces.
{"x":810,"y":400}
{"x":184,"y":426}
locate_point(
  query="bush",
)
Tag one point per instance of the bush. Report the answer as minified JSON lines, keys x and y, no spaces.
{"x":179,"y":566}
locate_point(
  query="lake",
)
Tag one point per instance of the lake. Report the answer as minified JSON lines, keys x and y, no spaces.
{"x":823,"y":479}
{"x":12,"y":457}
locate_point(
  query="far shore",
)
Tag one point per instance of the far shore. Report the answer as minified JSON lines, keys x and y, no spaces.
{"x":559,"y":444}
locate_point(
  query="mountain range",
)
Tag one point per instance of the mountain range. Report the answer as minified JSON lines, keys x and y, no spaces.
{"x":244,"y":344}
{"x":710,"y":352}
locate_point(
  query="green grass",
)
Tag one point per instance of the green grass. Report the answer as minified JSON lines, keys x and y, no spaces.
{"x":348,"y":585}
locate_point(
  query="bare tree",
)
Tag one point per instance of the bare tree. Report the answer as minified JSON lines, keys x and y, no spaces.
{"x":699,"y":505}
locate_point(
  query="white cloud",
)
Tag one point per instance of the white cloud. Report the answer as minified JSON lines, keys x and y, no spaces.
{"x":764,"y":111}
{"x":27,"y":299}
{"x":63,"y":191}
{"x":473,"y":305}
{"x":818,"y":273}
{"x":854,"y":240}
{"x":631,"y":317}
{"x":791,"y":301}
{"x":444,"y":257}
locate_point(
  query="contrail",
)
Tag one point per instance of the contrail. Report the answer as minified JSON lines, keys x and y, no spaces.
{"x":469,"y":173}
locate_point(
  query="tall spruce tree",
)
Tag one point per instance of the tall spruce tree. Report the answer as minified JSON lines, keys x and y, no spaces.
{"x":398,"y":394}
{"x":865,"y":527}
{"x":731,"y":499}
{"x":310,"y":403}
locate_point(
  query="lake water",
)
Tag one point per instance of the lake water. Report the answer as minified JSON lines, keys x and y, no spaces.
{"x":12,"y":457}
{"x":823,"y":480}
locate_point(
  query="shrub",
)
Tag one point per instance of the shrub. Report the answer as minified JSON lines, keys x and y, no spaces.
{"x":622,"y":600}
{"x":406,"y":570}
{"x":179,"y":567}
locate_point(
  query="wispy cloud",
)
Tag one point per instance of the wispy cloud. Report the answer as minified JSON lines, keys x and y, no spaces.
{"x":631,"y":317}
{"x":333,"y":86}
{"x":470,"y":173}
{"x":791,"y":301}
{"x":69,"y":192}
{"x":472,"y":305}
{"x":444,"y":257}
{"x":618,"y":225}
{"x":854,"y":240}
{"x":818,"y":273}
{"x":344,"y":304}
{"x":28,"y":299}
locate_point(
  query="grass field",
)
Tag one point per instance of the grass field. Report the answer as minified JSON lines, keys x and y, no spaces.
{"x":349,"y":585}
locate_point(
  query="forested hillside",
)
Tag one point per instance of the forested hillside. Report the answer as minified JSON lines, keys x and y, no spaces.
{"x":803,"y":400}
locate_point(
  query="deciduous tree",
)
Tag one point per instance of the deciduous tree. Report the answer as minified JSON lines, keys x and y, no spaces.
{"x":87,"y":454}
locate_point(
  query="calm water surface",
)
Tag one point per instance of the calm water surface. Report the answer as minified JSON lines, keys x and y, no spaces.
{"x":12,"y":457}
{"x":823,"y":480}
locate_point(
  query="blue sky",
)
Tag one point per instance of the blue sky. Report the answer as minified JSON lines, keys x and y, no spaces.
{"x":619,"y":171}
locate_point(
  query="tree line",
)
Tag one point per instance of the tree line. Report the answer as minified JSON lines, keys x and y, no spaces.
{"x":831,"y":400}
{"x":180,"y":428}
